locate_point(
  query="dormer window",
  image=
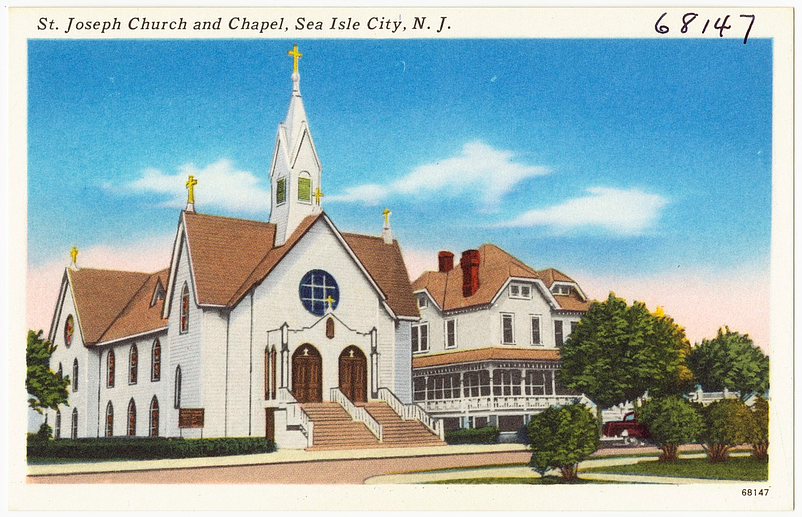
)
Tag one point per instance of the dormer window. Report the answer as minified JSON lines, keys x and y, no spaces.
{"x":423,"y":302}
{"x":158,"y":293}
{"x":520,"y":291}
{"x":561,"y":289}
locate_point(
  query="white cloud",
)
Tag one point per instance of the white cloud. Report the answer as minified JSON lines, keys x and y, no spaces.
{"x":478,"y":168}
{"x":220,"y":185}
{"x":626,"y":212}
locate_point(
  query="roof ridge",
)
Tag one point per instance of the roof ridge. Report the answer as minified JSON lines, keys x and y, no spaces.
{"x":116,"y":270}
{"x":128,"y":304}
{"x":252,"y":221}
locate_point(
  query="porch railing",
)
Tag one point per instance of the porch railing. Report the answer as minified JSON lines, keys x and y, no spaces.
{"x":412,"y":412}
{"x":357,"y":413}
{"x":488,"y":402}
{"x":296,"y":416}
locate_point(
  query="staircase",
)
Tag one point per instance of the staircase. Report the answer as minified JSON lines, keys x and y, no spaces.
{"x":334,"y":428}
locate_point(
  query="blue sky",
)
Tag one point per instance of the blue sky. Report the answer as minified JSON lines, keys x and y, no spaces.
{"x":607,"y":157}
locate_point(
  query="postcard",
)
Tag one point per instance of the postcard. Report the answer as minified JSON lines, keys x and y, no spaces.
{"x":390,"y":258}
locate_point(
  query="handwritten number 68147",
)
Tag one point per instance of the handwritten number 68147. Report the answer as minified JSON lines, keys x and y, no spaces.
{"x":721,"y":24}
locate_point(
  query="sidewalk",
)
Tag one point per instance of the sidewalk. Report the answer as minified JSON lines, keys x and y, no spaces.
{"x":280,"y":456}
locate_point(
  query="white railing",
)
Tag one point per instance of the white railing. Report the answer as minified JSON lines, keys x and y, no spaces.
{"x":412,"y":412}
{"x":357,"y":413}
{"x":488,"y":402}
{"x":296,"y":416}
{"x":707,"y":397}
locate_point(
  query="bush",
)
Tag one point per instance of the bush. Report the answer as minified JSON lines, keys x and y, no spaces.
{"x":44,"y":433}
{"x":672,"y":421}
{"x":760,"y":429}
{"x":728,"y":423}
{"x":562,"y":437}
{"x":146,"y":448}
{"x":487,"y":434}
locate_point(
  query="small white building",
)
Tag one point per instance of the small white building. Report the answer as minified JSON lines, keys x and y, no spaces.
{"x":487,"y":346}
{"x":256,"y":328}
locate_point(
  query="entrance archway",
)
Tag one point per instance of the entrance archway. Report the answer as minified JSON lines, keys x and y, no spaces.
{"x":307,"y":374}
{"x":354,"y":374}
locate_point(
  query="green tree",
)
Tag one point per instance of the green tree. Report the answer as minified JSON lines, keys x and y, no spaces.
{"x":618,"y":352}
{"x":730,"y":360}
{"x":760,"y":429}
{"x":672,"y":421}
{"x":728,"y":423}
{"x":46,"y":389}
{"x":561,"y":437}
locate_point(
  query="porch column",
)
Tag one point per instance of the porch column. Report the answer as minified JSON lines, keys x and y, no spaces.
{"x":553,"y":382}
{"x":523,"y":382}
{"x":492,"y":372}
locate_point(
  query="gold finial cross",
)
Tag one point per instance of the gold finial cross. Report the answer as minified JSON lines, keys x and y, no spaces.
{"x":318,"y":194}
{"x":295,"y":55}
{"x":191,"y":182}
{"x":330,"y":301}
{"x":386,"y":214}
{"x":74,"y":254}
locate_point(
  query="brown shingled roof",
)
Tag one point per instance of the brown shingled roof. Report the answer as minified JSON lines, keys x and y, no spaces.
{"x":103,"y":296}
{"x":495,"y":267}
{"x":139,"y":316}
{"x":385,"y":264}
{"x":487,"y":354}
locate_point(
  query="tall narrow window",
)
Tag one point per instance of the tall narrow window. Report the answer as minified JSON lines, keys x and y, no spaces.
{"x":177,"y":394}
{"x":69,"y":328}
{"x":154,"y":417}
{"x":420,"y":338}
{"x":451,"y":334}
{"x":133,"y":364}
{"x":110,"y":369}
{"x":75,"y":375}
{"x":507,"y":334}
{"x":74,"y":424}
{"x":304,"y":188}
{"x":536,"y":330}
{"x":57,"y":431}
{"x":109,"y":419}
{"x":184,"y":323}
{"x":132,"y":418}
{"x":281,"y":190}
{"x":156,"y":361}
{"x":60,"y":372}
{"x":558,"y":333}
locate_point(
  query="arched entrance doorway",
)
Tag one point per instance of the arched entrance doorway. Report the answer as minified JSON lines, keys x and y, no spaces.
{"x":354,"y":374}
{"x":307,"y":374}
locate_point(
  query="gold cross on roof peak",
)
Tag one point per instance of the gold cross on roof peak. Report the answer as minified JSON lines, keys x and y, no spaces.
{"x":318,"y":194}
{"x":74,"y":254}
{"x":295,"y":56}
{"x":386,"y":214}
{"x":191,"y":182}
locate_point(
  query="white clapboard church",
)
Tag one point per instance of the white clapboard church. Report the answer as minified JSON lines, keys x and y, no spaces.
{"x":289,"y":329}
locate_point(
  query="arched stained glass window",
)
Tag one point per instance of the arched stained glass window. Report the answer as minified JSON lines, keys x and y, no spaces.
{"x":75,"y":375}
{"x":133,"y":364}
{"x":110,"y":369}
{"x":156,"y":361}
{"x":177,"y":394}
{"x":109,"y":419}
{"x":57,"y":432}
{"x":69,"y":328}
{"x":74,"y":424}
{"x":132,"y":418}
{"x":154,"y":417}
{"x":184,"y":323}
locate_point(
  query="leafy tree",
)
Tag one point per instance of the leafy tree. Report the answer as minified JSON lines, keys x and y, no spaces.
{"x":672,"y":421}
{"x":760,"y":429}
{"x":728,"y":423}
{"x":618,"y":352}
{"x":46,"y":389}
{"x":561,"y":437}
{"x":730,"y":360}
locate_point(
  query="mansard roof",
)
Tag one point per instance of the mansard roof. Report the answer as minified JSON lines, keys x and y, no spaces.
{"x":496,"y":267}
{"x":112,"y":305}
{"x":487,"y":354}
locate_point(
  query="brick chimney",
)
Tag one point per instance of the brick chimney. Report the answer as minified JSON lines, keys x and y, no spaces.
{"x":470,"y":272}
{"x":445,"y":261}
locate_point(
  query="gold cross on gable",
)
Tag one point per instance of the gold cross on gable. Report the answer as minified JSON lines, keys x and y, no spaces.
{"x":330,"y":301}
{"x":318,"y":194}
{"x":386,"y":213}
{"x":74,"y":254}
{"x":295,"y":56}
{"x":191,"y":182}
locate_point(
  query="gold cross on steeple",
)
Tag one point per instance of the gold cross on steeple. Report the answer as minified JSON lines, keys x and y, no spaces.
{"x":386,"y":214}
{"x":318,"y":194}
{"x":191,"y":182}
{"x":330,"y":301}
{"x":295,"y":55}
{"x":74,"y":254}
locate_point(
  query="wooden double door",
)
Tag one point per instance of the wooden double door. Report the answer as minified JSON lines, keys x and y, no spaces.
{"x":307,"y":374}
{"x":354,"y":374}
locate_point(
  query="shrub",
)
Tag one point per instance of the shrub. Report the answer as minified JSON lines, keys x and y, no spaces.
{"x":760,"y":429}
{"x":728,"y":423}
{"x":44,"y":433}
{"x":146,"y":448}
{"x":672,"y":421}
{"x":562,"y":437}
{"x":487,"y":434}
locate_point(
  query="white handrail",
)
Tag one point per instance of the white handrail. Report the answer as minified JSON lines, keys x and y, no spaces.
{"x":357,"y":413}
{"x":296,"y":415}
{"x":412,"y":412}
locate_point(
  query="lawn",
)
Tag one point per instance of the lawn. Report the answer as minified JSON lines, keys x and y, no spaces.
{"x":740,"y":468}
{"x":548,"y":480}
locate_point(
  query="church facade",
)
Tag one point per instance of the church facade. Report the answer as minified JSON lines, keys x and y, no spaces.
{"x":255,"y":329}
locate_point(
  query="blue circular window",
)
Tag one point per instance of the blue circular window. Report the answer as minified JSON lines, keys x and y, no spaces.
{"x":318,"y":290}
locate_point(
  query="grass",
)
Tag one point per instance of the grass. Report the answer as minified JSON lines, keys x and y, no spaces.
{"x":736,"y":468}
{"x":548,"y":480}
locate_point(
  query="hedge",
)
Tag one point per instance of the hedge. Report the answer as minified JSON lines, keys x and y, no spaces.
{"x":487,"y":434}
{"x":145,"y":448}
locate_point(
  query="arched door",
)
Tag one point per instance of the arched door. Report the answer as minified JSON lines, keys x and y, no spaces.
{"x":354,"y":374}
{"x":307,"y":374}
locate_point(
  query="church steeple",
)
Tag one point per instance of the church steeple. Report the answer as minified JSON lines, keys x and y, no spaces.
{"x":295,"y":171}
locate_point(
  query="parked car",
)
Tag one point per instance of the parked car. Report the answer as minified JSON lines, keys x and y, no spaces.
{"x":633,"y":432}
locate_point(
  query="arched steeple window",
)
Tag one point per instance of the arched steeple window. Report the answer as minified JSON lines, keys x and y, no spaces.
{"x":184,"y":323}
{"x":304,"y":187}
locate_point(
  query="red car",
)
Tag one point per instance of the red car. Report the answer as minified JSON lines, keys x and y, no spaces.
{"x":629,"y":429}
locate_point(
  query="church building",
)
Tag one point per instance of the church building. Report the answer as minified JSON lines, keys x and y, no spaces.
{"x":290,"y":328}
